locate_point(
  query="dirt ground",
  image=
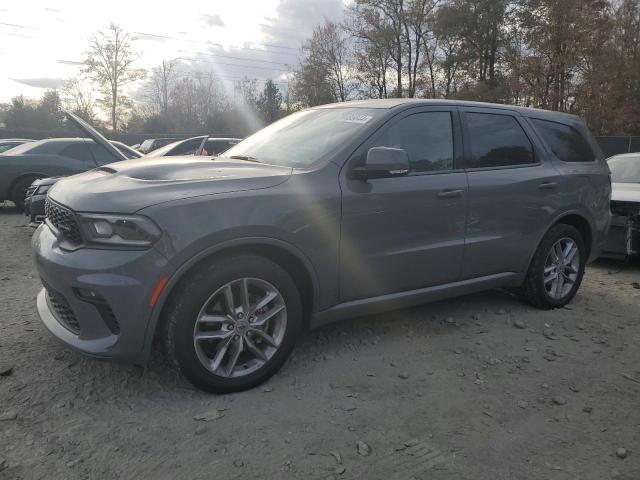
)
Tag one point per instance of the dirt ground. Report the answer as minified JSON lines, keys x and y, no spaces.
{"x":480,"y":387}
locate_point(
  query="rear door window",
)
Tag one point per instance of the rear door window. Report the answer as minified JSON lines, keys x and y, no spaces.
{"x":497,"y":140}
{"x":565,"y":141}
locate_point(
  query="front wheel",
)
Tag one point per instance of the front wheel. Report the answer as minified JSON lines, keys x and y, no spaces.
{"x":233,"y":323}
{"x":19,"y":191}
{"x":556,"y":270}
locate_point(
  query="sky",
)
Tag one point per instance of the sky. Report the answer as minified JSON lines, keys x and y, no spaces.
{"x":42,"y":41}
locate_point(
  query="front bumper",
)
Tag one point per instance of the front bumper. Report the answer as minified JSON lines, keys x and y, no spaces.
{"x":115,"y":325}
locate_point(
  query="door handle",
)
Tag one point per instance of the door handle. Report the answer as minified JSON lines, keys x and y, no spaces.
{"x":450,"y":193}
{"x":548,"y":186}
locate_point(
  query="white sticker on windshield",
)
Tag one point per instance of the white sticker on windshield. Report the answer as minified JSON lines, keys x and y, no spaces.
{"x":355,"y":118}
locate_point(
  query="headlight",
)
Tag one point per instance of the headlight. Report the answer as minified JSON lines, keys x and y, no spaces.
{"x":119,"y":230}
{"x":42,"y":190}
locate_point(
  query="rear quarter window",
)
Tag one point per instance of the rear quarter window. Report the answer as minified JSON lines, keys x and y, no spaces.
{"x":566,"y":142}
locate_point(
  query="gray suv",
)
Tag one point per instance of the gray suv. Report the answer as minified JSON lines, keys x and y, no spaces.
{"x":330,"y":213}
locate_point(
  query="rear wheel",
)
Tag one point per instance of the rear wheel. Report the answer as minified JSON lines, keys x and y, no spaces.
{"x":233,"y":323}
{"x":556,"y":270}
{"x":19,"y":191}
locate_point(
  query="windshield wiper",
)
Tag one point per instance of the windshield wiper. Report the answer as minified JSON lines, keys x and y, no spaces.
{"x":244,"y":157}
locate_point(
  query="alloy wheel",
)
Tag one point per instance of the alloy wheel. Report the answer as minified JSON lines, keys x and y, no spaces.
{"x":561,"y":268}
{"x":240,"y":327}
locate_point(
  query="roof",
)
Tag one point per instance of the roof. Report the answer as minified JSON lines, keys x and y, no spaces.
{"x":391,"y":103}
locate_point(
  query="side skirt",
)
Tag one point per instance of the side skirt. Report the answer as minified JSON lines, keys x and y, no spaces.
{"x":394,"y":301}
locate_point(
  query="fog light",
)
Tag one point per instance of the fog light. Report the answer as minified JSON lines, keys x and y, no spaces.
{"x":88,"y":294}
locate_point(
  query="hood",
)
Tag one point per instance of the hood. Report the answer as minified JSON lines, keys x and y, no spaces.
{"x":126,"y":187}
{"x":95,"y":135}
{"x":625,"y":192}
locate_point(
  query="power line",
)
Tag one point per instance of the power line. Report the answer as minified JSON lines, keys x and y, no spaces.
{"x":232,"y":64}
{"x":200,"y":75}
{"x":242,"y":58}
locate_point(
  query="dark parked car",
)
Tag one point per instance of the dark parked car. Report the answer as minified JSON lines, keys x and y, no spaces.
{"x":330,"y":213}
{"x":624,"y":236}
{"x":190,"y":146}
{"x":152,"y":144}
{"x":37,"y":192}
{"x":24,"y":164}
{"x":9,"y":143}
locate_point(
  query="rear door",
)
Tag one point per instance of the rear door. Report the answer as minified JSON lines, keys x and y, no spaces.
{"x":514,"y":191}
{"x":405,"y":233}
{"x":586,"y":175}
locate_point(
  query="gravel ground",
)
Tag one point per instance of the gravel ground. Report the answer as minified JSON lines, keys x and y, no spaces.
{"x":480,"y":387}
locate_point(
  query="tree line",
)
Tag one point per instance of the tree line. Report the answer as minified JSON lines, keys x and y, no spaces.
{"x":577,"y":56}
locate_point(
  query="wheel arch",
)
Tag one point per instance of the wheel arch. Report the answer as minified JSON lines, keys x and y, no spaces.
{"x":581,"y":224}
{"x":574,"y":218}
{"x":22,"y":176}
{"x":284,"y":254}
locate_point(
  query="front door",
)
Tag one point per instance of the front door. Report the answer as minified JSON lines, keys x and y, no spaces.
{"x":405,"y":233}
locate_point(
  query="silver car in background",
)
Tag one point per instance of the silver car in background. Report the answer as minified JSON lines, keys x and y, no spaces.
{"x":624,"y":236}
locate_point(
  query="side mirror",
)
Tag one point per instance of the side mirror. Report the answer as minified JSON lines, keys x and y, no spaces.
{"x":383,"y":162}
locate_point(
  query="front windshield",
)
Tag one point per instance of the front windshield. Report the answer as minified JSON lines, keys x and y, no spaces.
{"x":625,"y":169}
{"x":305,"y":137}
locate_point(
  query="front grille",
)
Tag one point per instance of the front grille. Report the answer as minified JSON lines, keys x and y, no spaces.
{"x":64,"y":221}
{"x":63,"y":311}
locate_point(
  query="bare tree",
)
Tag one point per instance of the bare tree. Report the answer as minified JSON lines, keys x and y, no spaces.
{"x":78,"y":97}
{"x":331,"y":47}
{"x":163,"y":78}
{"x":109,"y":63}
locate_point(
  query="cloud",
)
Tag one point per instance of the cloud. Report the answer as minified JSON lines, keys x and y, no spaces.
{"x":70,"y":62}
{"x":150,"y":36}
{"x":212,"y":20}
{"x":295,"y":20}
{"x":43,"y":82}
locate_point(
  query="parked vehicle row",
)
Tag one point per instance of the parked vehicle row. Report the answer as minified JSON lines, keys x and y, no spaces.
{"x":53,"y":158}
{"x":329,"y":213}
{"x":203,"y":145}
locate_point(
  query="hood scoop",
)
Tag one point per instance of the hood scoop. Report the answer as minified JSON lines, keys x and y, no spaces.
{"x":190,"y":169}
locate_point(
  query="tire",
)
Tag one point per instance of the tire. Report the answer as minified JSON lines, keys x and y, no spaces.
{"x":19,"y":190}
{"x":199,"y":303}
{"x":546,"y":294}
